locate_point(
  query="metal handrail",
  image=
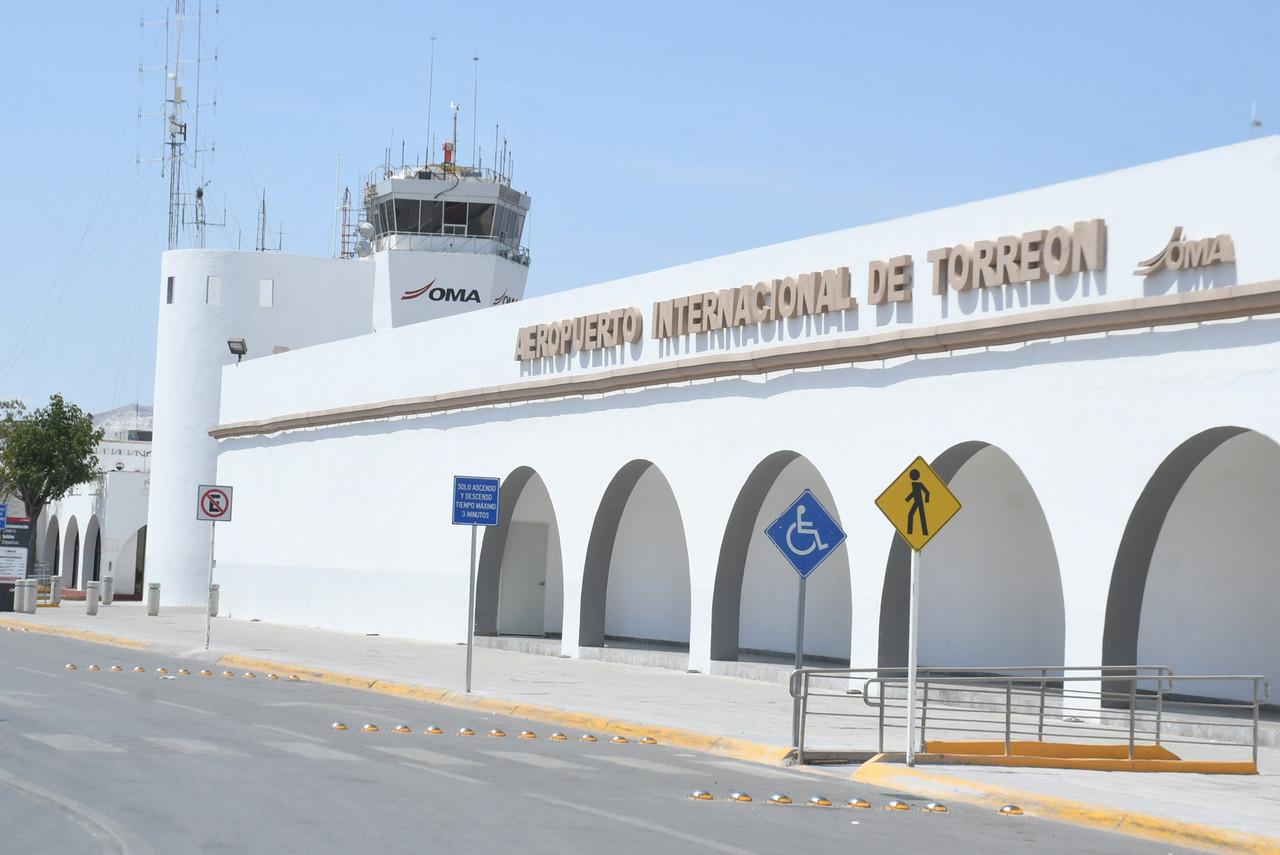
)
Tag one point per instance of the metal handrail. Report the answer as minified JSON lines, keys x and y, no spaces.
{"x":1014,"y":683}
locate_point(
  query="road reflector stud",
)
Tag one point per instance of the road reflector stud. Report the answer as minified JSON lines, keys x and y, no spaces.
{"x":739,"y":797}
{"x":228,"y":673}
{"x":162,"y":670}
{"x":820,"y":801}
{"x":648,"y":740}
{"x":138,"y":669}
{"x":586,"y":737}
{"x":619,"y":740}
{"x":701,"y":795}
{"x":558,"y":737}
{"x":402,"y":728}
{"x":94,"y":668}
{"x":337,"y":725}
{"x":205,"y":673}
{"x":249,"y":675}
{"x":781,"y":799}
{"x":466,"y":731}
{"x":272,"y":677}
{"x":858,"y":803}
{"x":528,"y":734}
{"x":433,"y":730}
{"x":70,"y":667}
{"x":293,"y":678}
{"x":184,"y":672}
{"x":1010,"y":810}
{"x":370,"y":728}
{"x":497,"y":732}
{"x":936,"y":807}
{"x":116,"y":668}
{"x":897,"y":805}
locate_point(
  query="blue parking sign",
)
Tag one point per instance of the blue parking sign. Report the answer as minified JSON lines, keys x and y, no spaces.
{"x":805,"y":534}
{"x":475,"y":500}
{"x":4,"y":515}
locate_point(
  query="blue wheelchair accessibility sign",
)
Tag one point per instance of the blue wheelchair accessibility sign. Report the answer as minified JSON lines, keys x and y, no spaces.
{"x":805,"y":534}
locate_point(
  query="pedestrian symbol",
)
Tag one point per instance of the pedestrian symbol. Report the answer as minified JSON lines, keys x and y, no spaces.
{"x":805,"y":534}
{"x":918,"y":504}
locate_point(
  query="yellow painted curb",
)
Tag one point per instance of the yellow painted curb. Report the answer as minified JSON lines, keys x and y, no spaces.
{"x":79,"y":634}
{"x":1148,"y":827}
{"x":739,"y":749}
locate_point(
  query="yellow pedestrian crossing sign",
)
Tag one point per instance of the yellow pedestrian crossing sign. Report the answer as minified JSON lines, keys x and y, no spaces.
{"x":918,"y":504}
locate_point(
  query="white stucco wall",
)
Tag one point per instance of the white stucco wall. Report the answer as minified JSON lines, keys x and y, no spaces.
{"x":989,"y":587}
{"x":534,"y":506}
{"x":1212,"y":603}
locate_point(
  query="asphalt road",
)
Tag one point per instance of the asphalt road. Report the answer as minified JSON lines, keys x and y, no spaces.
{"x":126,"y":762}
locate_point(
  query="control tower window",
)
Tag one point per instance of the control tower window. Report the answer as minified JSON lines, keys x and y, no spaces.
{"x":406,"y":215}
{"x":455,"y":218}
{"x":432,"y":218}
{"x":479,"y":220}
{"x":379,"y":224}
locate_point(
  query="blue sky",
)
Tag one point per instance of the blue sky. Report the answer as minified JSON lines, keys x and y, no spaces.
{"x":648,"y":134}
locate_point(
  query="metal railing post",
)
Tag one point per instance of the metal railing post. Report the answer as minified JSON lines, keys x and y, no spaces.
{"x":924,"y":714}
{"x":1255,"y":722}
{"x":1133,"y":703}
{"x":1040,"y":728}
{"x":1159,"y":706}
{"x":1008,"y":714}
{"x":883,"y":698}
{"x":804,"y":710}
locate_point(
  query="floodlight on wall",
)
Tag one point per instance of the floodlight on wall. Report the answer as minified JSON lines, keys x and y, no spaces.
{"x":237,"y":347}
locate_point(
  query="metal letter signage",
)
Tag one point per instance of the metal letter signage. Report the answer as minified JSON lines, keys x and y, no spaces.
{"x":213,"y":503}
{"x":1179,"y":254}
{"x":918,"y":504}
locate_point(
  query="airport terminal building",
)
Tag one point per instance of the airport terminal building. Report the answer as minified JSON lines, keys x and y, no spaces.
{"x":1094,"y":367}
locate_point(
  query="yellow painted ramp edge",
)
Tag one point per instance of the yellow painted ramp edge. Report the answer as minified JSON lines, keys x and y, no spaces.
{"x":80,"y":634}
{"x":726,"y":746}
{"x":946,"y":786}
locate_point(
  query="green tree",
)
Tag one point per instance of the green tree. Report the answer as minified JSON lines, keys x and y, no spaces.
{"x":9,"y":412}
{"x":45,"y":454}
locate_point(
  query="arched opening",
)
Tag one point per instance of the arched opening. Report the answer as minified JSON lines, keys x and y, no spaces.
{"x":635,"y":582}
{"x":753,"y":612}
{"x":51,"y":553}
{"x":71,"y":553}
{"x":1196,"y":585}
{"x":131,"y":564}
{"x":990,"y":588}
{"x":519,"y":578}
{"x":91,"y":571}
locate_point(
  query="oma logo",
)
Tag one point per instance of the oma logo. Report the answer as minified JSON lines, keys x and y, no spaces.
{"x":446,"y":295}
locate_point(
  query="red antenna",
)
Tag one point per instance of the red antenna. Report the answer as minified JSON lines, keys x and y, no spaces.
{"x":448,"y":153}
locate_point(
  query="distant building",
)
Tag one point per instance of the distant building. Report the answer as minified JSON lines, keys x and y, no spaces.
{"x":100,"y":527}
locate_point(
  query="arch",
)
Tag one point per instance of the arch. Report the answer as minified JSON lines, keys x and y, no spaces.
{"x":1194,"y":585}
{"x":752,"y":580}
{"x":991,"y":590}
{"x":635,"y":581}
{"x":51,"y":548}
{"x":71,"y":552}
{"x":519,"y":577}
{"x":91,"y":558}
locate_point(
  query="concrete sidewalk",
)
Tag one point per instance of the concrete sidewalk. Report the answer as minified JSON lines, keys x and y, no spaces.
{"x":750,"y":710}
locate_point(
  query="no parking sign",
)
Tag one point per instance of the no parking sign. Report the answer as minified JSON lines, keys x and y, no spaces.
{"x":213,"y":503}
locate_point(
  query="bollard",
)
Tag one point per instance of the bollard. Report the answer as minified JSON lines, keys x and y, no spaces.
{"x":20,"y":596}
{"x":108,"y":590}
{"x":153,"y":599}
{"x":31,"y":596}
{"x":214,"y":591}
{"x":55,"y":591}
{"x":91,"y":597}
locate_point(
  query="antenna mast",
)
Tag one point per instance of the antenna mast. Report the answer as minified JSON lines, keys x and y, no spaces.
{"x":431,"y":85}
{"x":177,"y":129}
{"x":261,"y":244}
{"x":475,"y":104}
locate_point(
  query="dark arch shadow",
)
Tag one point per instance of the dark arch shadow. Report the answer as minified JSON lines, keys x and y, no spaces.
{"x":494,"y":546}
{"x":895,"y":597}
{"x":604,"y":533}
{"x":1137,"y":545}
{"x":726,"y":597}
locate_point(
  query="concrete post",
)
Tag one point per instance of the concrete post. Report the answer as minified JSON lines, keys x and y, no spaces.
{"x":91,"y":597}
{"x":108,"y":590}
{"x":20,"y":596}
{"x":153,"y":599}
{"x":214,"y":591}
{"x":55,"y":590}
{"x":31,"y":596}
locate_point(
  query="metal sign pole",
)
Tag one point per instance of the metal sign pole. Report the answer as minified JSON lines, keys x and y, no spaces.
{"x":912,"y":629}
{"x":471,"y":607}
{"x":795,"y":708}
{"x":208,"y":610}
